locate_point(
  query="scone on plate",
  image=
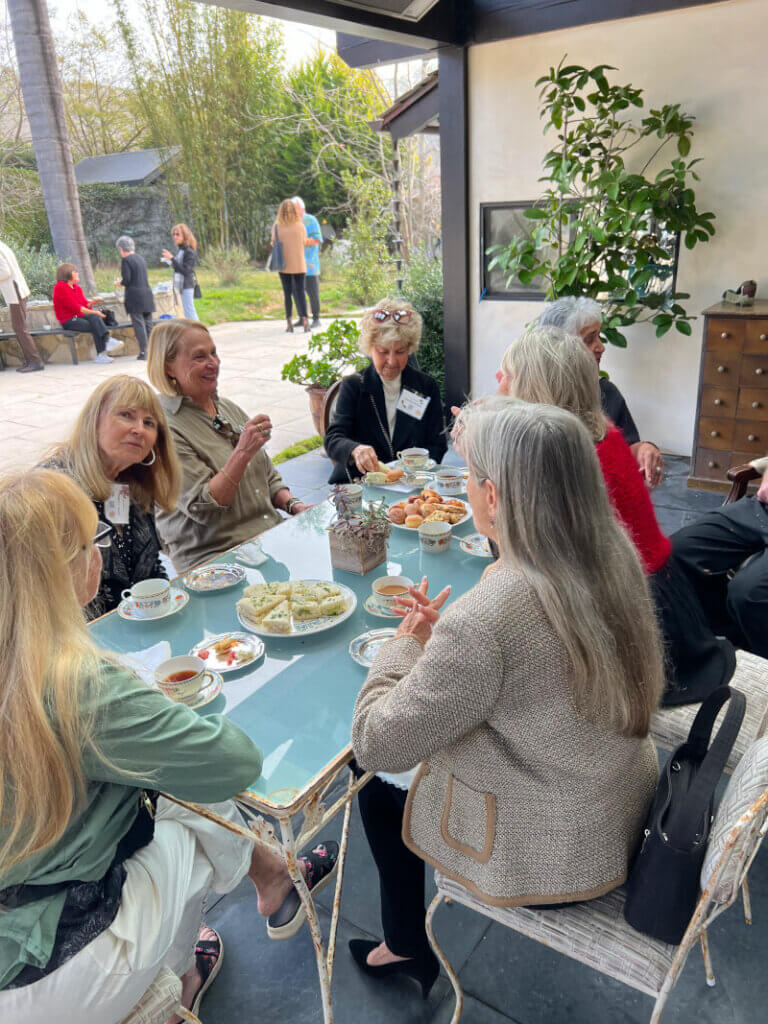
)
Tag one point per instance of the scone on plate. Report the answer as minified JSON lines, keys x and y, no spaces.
{"x":279,"y":619}
{"x":439,"y":517}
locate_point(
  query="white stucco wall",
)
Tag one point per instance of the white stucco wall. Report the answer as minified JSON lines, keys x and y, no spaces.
{"x":713,"y":60}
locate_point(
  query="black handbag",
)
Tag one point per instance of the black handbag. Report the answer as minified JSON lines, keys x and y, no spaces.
{"x":663,"y":883}
{"x":276,"y":260}
{"x":197,"y":293}
{"x":110,"y":320}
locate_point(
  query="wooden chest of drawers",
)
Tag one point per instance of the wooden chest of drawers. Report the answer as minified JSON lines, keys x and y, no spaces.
{"x":732,"y":410}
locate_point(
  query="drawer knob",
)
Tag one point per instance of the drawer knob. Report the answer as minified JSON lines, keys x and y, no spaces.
{"x":718,"y":401}
{"x":712,"y":465}
{"x":725,"y":334}
{"x":721,"y":369}
{"x":764,"y":337}
{"x":759,"y":371}
{"x":751,"y":437}
{"x":715,"y":433}
{"x":756,"y":405}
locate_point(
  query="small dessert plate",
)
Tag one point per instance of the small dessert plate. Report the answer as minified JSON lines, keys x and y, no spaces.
{"x":365,"y":647}
{"x":373,"y":608}
{"x":476,"y":544}
{"x":179,"y":600}
{"x":228,"y":652}
{"x":214,"y":577}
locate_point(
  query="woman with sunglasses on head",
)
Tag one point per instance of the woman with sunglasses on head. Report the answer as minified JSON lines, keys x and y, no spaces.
{"x":391,"y":405}
{"x":120,"y":452}
{"x":230,"y":490}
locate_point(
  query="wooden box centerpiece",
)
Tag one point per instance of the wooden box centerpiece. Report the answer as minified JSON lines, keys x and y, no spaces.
{"x":358,"y":536}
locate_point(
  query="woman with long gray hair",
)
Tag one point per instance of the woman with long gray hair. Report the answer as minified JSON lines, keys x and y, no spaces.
{"x":526,"y":704}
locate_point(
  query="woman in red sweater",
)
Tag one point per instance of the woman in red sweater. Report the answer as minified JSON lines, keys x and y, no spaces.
{"x":75,"y":313}
{"x":547,"y":365}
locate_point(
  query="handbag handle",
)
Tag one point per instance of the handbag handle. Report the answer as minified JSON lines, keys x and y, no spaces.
{"x":715,"y":758}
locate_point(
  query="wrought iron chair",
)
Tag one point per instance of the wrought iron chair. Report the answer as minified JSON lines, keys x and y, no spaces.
{"x":595,"y":933}
{"x":329,"y":403}
{"x":161,"y":1000}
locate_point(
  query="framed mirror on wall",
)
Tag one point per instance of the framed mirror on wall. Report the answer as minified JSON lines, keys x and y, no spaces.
{"x":499,"y":223}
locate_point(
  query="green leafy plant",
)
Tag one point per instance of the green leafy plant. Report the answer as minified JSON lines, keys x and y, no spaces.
{"x":599,"y":226}
{"x":370,"y":271}
{"x":228,"y":264}
{"x":330,"y":353}
{"x":423,"y":287}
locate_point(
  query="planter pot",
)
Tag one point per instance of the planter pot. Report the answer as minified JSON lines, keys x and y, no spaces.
{"x":316,"y":397}
{"x":355,"y":554}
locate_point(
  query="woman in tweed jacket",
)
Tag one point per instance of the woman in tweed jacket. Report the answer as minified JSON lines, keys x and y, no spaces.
{"x":528,"y":703}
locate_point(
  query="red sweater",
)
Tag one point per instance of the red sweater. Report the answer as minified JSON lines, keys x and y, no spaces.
{"x":631,"y":501}
{"x":68,"y":300}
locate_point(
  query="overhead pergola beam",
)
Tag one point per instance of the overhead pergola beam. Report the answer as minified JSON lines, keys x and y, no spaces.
{"x":440,"y":26}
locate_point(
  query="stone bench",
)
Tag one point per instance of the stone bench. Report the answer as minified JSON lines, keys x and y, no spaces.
{"x":52,"y":332}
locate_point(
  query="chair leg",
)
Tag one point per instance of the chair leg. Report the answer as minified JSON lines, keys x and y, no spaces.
{"x":187,"y":1015}
{"x":72,"y":349}
{"x":704,"y":938}
{"x":444,"y":960}
{"x":747,"y":901}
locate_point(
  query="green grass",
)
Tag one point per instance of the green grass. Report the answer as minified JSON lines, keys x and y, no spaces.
{"x":259,"y":296}
{"x":300,"y":448}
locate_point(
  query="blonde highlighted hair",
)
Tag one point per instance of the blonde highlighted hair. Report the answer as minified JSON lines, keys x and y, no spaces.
{"x":187,"y":238}
{"x":288,"y":212}
{"x":556,"y":526}
{"x":164,"y":344}
{"x":389,"y":332}
{"x":155,"y":484}
{"x":46,"y":523}
{"x":549,"y":366}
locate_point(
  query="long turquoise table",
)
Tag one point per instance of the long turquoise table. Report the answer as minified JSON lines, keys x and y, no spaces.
{"x":296,"y":702}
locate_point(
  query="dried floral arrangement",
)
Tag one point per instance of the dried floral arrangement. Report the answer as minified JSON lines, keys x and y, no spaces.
{"x":358,"y":536}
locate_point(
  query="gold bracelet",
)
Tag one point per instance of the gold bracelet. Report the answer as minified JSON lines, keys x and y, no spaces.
{"x":226,"y":474}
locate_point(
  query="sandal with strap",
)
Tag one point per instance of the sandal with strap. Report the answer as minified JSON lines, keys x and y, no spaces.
{"x":209,"y":954}
{"x":321,"y":864}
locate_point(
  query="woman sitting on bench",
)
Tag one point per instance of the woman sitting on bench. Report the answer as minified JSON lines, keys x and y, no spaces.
{"x":75,"y":313}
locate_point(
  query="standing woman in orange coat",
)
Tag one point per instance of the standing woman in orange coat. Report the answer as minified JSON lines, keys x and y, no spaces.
{"x":290,"y":231}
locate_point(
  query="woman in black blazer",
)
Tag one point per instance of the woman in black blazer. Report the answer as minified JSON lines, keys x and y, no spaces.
{"x":367,"y":428}
{"x":184,"y":263}
{"x":138,"y":300}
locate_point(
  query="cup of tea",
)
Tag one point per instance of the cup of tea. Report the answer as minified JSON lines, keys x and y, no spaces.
{"x":148,"y":599}
{"x":386,"y":590}
{"x":350,"y":496}
{"x":414,"y":458}
{"x":449,"y":481}
{"x":182,"y":678}
{"x":434,"y":538}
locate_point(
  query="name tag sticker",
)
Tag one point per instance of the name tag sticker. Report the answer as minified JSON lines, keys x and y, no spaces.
{"x":117,"y":507}
{"x":412,"y":404}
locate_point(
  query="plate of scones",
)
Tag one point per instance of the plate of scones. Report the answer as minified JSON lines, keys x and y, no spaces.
{"x":294,"y":608}
{"x":428,"y":507}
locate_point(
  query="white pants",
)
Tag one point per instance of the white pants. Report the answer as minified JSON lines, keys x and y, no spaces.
{"x":157,"y":923}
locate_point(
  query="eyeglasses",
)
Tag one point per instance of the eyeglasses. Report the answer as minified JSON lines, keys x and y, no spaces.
{"x":221,"y":426}
{"x":400,"y":316}
{"x":103,"y":537}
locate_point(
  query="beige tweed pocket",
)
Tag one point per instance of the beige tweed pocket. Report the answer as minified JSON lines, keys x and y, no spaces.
{"x":469,"y":821}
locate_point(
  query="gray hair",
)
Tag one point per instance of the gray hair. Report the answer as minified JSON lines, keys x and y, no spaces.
{"x":299,"y":202}
{"x":547,"y":365}
{"x":126,"y":243}
{"x":557,"y":528}
{"x":571,"y":313}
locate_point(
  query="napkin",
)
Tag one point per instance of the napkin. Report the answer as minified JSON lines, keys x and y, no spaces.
{"x":145,"y":661}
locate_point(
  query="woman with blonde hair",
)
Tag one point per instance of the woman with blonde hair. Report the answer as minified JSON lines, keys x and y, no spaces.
{"x":290,"y":232}
{"x":370,"y":422}
{"x":122,"y":455}
{"x":184,"y":263}
{"x":547,"y":365}
{"x":230,"y":490}
{"x":526,"y":703}
{"x":100,"y":888}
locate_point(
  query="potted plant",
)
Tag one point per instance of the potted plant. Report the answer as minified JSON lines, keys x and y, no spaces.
{"x":358,"y":538}
{"x":330,"y":353}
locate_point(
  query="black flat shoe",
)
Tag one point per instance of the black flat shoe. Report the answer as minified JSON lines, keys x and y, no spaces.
{"x":30,"y":368}
{"x":423,"y":971}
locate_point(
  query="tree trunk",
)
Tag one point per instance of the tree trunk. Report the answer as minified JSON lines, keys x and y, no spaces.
{"x":44,"y":104}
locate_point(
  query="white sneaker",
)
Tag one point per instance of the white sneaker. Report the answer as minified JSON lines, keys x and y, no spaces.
{"x":112,"y":344}
{"x":102,"y":357}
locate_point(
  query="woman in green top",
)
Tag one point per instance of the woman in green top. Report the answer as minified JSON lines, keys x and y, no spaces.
{"x":92,"y":904}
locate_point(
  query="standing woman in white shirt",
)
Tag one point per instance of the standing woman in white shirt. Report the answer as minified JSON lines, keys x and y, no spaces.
{"x":15,"y":291}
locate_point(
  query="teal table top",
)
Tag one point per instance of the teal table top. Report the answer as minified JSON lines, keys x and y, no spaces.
{"x":296,"y":702}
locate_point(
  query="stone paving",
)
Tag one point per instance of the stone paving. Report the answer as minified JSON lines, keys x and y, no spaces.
{"x":38,"y":409}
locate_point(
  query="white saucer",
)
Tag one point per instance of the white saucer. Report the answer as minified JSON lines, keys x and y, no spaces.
{"x":209,"y":692}
{"x":374,"y":609}
{"x":364,"y":648}
{"x":476,"y":544}
{"x":179,"y":600}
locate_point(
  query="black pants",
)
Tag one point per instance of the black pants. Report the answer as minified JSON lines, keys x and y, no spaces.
{"x":401,"y":873}
{"x":721,"y":541}
{"x":312,"y":288}
{"x":293,"y":288}
{"x":142,"y":328}
{"x":93,"y":323}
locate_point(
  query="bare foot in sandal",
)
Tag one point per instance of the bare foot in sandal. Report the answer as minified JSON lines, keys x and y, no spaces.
{"x":196,"y":982}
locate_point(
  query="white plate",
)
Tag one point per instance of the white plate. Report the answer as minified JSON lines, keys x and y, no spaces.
{"x":414,"y":529}
{"x":179,"y":600}
{"x":374,"y":609}
{"x":217,"y":662}
{"x":476,"y":544}
{"x":306,"y":627}
{"x":400,"y":486}
{"x":365,"y":647}
{"x":214,"y":577}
